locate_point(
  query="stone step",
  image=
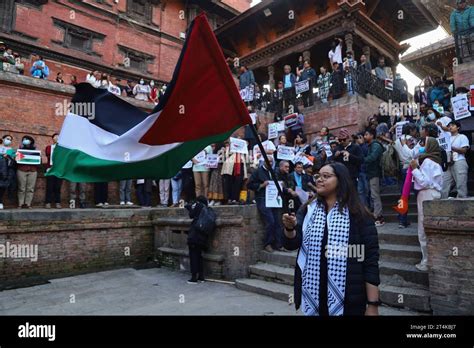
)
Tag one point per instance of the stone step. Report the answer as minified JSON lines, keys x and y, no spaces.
{"x":278,"y":291}
{"x":391,"y":215}
{"x":405,"y":270}
{"x":271,"y":272}
{"x":284,"y":293}
{"x":391,"y":234}
{"x":281,"y":258}
{"x":405,"y":253}
{"x":403,"y":297}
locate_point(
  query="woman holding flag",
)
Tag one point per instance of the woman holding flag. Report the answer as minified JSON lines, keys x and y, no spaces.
{"x":331,"y":277}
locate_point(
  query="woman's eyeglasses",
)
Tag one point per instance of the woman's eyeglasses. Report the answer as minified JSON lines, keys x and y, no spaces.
{"x":324,"y":177}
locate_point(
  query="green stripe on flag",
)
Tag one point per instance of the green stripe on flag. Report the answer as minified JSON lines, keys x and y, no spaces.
{"x":77,"y":166}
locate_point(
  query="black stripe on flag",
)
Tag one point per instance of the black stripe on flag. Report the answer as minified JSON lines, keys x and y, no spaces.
{"x":105,"y":110}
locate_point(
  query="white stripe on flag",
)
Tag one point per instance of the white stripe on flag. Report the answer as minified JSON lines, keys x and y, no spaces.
{"x":78,"y":133}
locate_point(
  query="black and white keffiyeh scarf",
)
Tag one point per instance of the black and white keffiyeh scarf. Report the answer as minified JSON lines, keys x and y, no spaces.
{"x":310,"y":256}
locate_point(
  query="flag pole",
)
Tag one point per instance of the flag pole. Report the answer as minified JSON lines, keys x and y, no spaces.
{"x":270,"y":169}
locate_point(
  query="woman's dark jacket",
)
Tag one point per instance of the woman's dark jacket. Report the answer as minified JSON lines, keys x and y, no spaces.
{"x":195,"y":236}
{"x":7,"y":171}
{"x":358,"y":272}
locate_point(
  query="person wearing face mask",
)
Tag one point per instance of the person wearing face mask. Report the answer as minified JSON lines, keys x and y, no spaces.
{"x":26,"y":176}
{"x":141,"y":91}
{"x":153,"y":93}
{"x":428,"y":178}
{"x":53,"y":183}
{"x":7,"y":166}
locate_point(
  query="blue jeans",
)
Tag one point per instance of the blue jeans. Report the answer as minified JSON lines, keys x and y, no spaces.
{"x":403,"y":218}
{"x":363,"y":189}
{"x":271,"y":217}
{"x":176,"y":186}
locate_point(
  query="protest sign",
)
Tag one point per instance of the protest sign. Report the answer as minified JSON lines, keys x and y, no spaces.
{"x":444,"y":141}
{"x":389,"y":84}
{"x":273,"y":130}
{"x":286,"y":153}
{"x":302,"y":158}
{"x":212,"y":161}
{"x":200,"y":158}
{"x":302,"y":86}
{"x":460,"y":107}
{"x":399,"y":128}
{"x":302,"y":195}
{"x":238,"y":146}
{"x":253,"y":116}
{"x":272,"y":198}
{"x":291,"y":120}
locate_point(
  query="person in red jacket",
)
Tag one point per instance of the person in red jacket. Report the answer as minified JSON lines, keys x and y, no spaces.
{"x":53,"y":183}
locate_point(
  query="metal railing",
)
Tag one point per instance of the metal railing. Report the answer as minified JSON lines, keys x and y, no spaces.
{"x":464,"y":43}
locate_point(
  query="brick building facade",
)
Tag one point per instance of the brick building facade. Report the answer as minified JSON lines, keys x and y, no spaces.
{"x":130,"y":39}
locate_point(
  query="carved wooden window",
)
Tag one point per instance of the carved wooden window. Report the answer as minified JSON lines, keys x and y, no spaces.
{"x":34,"y":3}
{"x":136,"y":60}
{"x":77,"y":37}
{"x":140,"y":10}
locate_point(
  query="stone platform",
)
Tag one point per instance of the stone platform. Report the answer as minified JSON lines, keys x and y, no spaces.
{"x":75,"y":241}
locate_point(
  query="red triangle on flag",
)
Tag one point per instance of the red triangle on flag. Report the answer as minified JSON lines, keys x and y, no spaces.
{"x":203,"y":99}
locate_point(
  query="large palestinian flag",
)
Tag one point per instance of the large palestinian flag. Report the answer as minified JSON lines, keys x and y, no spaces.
{"x":106,"y":139}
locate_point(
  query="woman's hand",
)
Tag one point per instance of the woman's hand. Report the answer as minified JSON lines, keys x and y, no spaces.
{"x":372,"y":310}
{"x":289,"y":222}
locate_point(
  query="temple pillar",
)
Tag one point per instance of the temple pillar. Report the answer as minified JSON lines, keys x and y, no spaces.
{"x":307,"y":55}
{"x":271,"y":77}
{"x":349,"y":40}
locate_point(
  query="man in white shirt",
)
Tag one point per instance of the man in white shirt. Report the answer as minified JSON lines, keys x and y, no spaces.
{"x":335,"y":53}
{"x":457,"y":171}
{"x":269,"y":147}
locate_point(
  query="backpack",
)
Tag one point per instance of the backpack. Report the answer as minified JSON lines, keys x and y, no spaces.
{"x":206,"y":222}
{"x":390,"y":162}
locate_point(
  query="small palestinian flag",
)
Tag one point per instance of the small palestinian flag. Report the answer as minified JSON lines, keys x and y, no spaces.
{"x":104,"y":138}
{"x":32,"y":157}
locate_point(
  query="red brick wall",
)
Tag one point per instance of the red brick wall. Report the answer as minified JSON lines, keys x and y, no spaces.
{"x":464,"y":74}
{"x":347,"y":112}
{"x":73,"y":242}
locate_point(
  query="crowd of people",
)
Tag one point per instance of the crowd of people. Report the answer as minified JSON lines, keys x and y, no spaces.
{"x":336,"y":78}
{"x":143,"y":90}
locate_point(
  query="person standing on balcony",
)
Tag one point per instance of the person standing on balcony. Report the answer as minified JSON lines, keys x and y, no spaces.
{"x":141,"y":91}
{"x":462,"y":18}
{"x":350,"y":67}
{"x":324,"y":83}
{"x":365,"y":64}
{"x":246,"y":77}
{"x":380,"y":69}
{"x":337,"y":80}
{"x":39,"y":69}
{"x":335,"y":53}
{"x":308,"y":73}
{"x":289,"y":80}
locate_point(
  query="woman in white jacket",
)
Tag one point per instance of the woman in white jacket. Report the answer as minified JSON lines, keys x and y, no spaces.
{"x":428,"y":178}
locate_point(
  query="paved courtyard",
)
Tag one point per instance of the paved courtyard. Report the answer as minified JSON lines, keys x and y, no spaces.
{"x":155,"y":291}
